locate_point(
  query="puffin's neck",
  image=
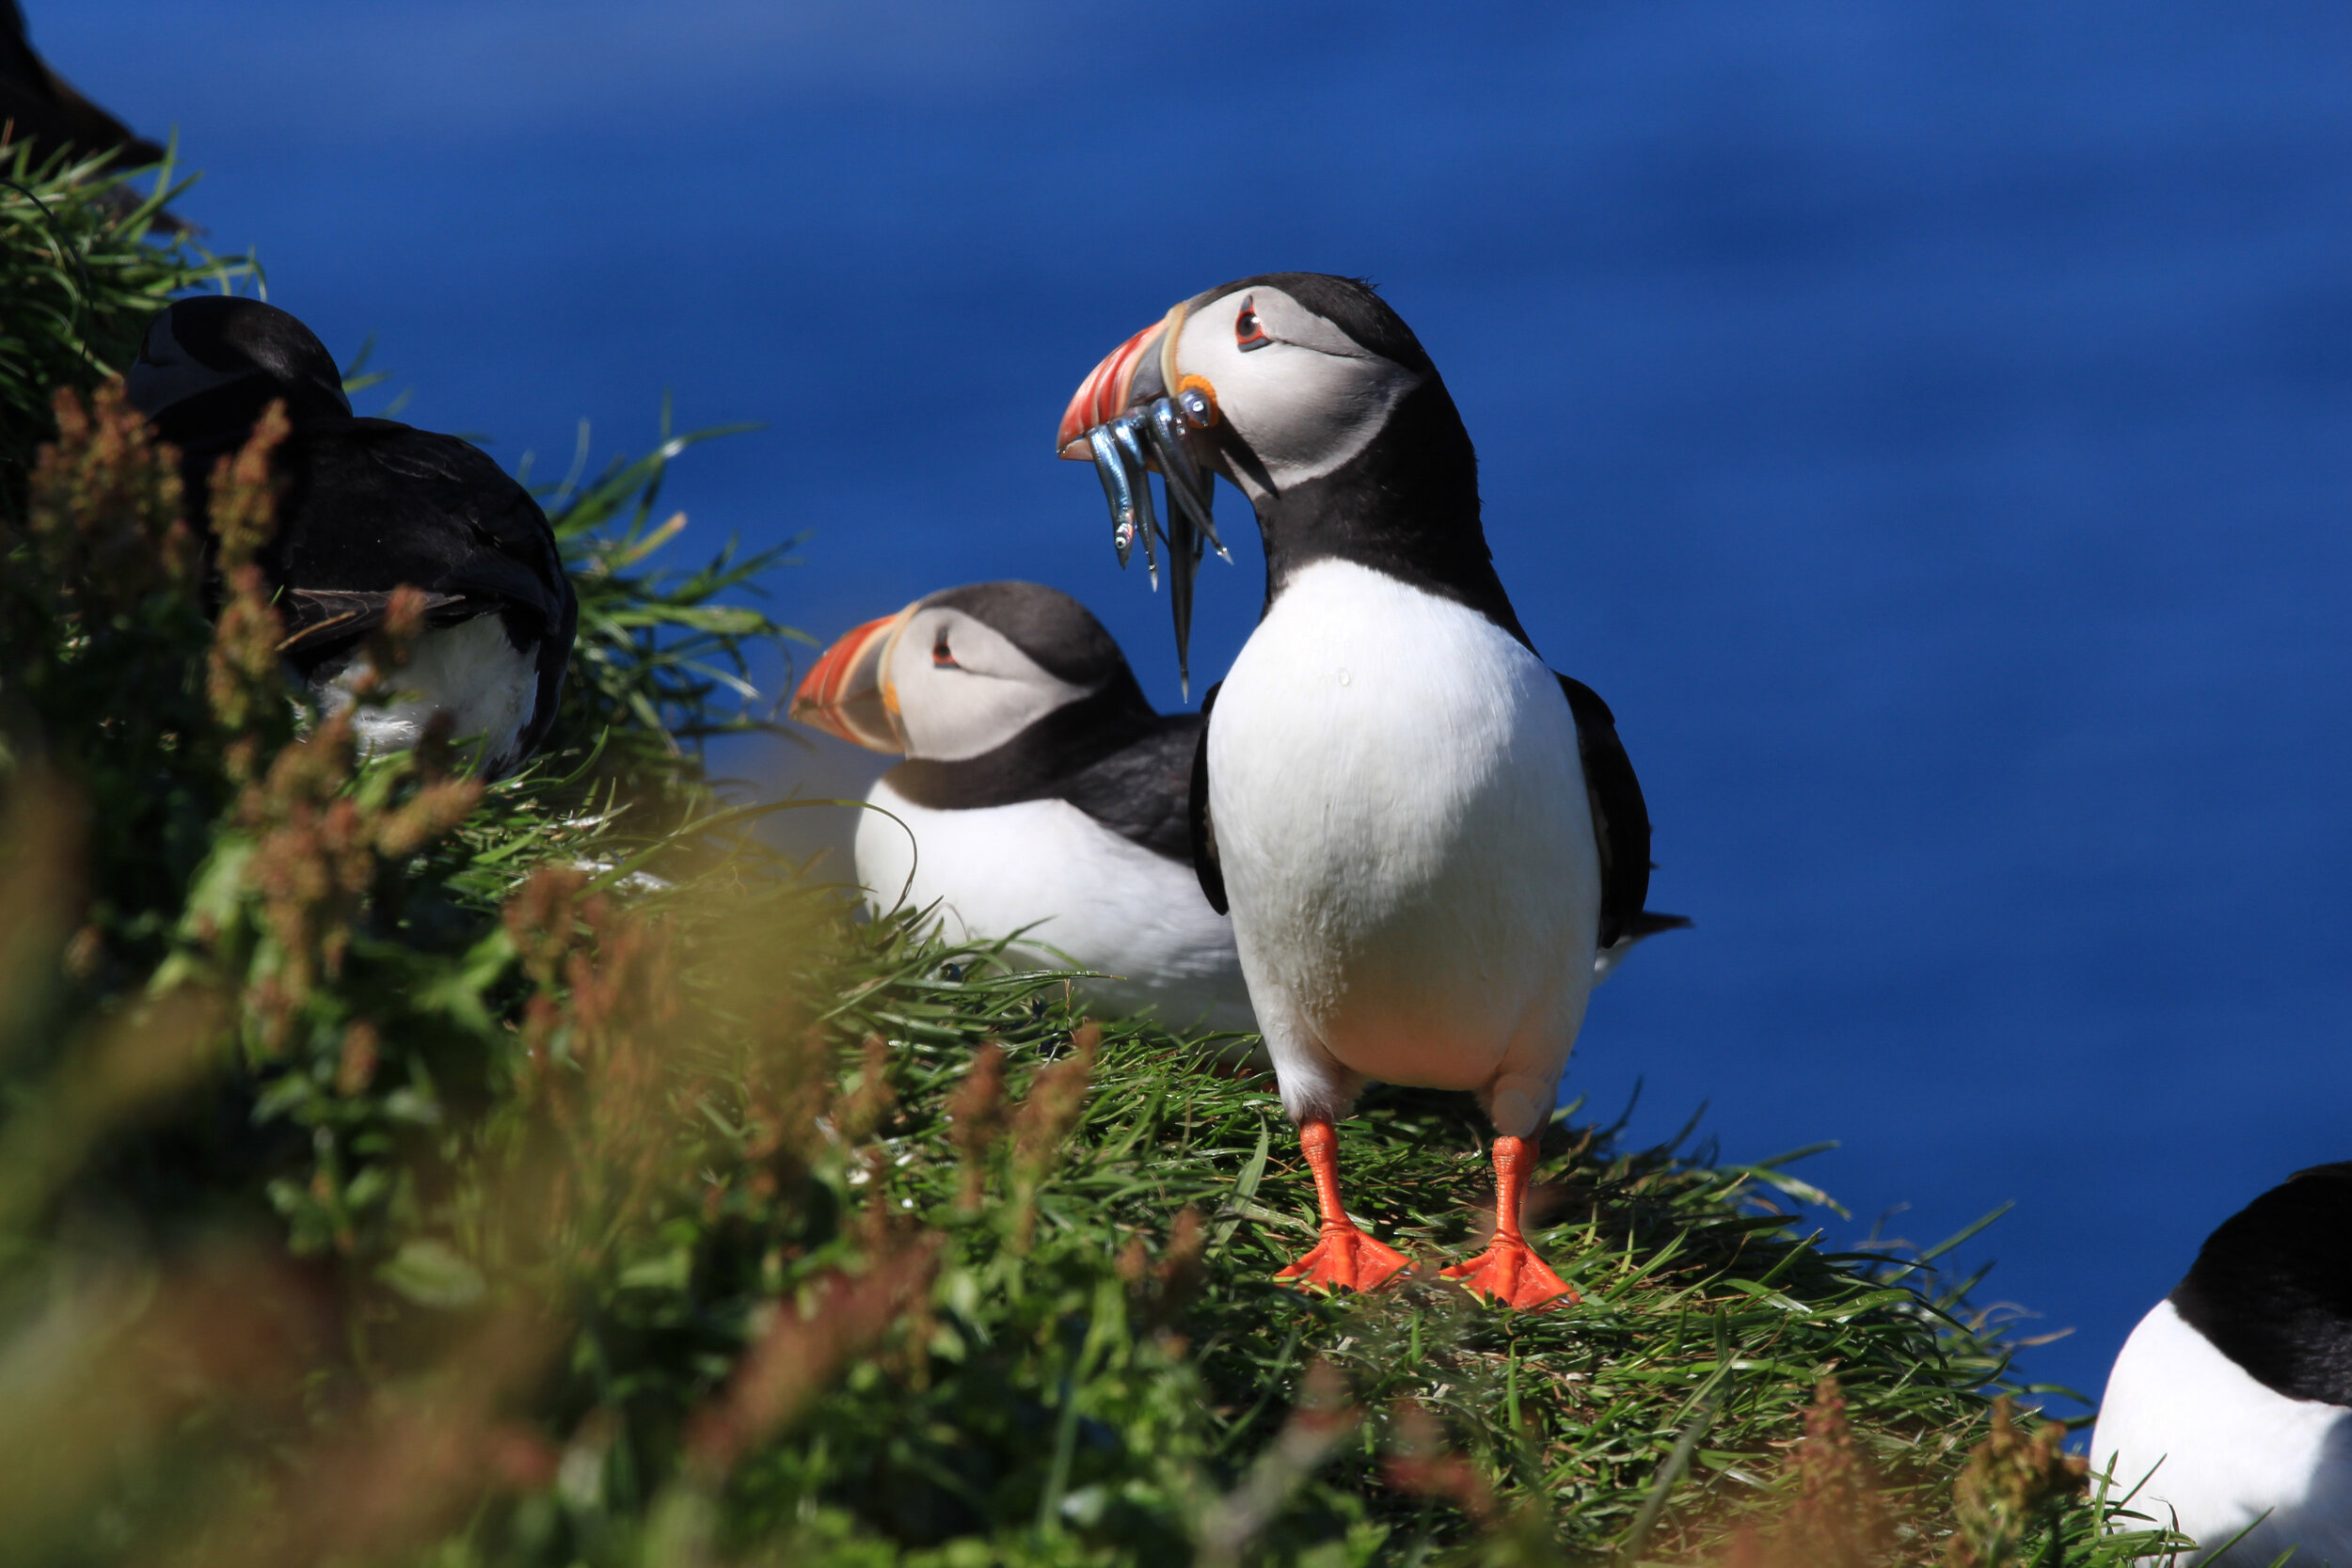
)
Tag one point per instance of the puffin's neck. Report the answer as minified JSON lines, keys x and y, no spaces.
{"x":1406,"y":506}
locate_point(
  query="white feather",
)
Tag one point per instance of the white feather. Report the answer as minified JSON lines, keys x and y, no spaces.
{"x":470,"y":671}
{"x":2210,"y":1449}
{"x":1095,"y":899}
{"x":1406,"y":843}
{"x":989,"y":693}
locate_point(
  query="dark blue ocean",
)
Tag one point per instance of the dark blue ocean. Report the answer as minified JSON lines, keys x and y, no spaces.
{"x":1926,"y":422}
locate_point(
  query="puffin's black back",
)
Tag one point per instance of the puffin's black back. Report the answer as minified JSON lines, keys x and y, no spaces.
{"x":372,"y":505}
{"x":2272,"y":1287}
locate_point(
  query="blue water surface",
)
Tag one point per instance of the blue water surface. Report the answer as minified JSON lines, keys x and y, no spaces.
{"x":1926,"y":422}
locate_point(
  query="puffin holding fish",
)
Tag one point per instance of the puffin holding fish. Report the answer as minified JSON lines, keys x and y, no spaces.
{"x":1425,"y":838}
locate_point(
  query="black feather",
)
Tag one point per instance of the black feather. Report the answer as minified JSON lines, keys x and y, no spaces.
{"x":45,"y":110}
{"x":1620,"y":818}
{"x":1205,"y":865}
{"x":2272,"y":1287}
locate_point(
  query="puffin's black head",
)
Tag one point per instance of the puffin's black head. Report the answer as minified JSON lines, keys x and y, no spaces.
{"x":212,"y":362}
{"x":1312,"y":394}
{"x":960,"y":672}
{"x":2272,"y":1287}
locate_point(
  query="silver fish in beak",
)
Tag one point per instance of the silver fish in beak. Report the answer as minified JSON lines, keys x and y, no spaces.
{"x":1126,"y":421}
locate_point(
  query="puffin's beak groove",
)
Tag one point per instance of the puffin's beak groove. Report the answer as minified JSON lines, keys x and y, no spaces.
{"x":1134,"y":416}
{"x":846,"y":693}
{"x":1102,"y":395}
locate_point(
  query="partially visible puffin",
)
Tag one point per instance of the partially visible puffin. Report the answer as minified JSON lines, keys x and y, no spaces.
{"x":371,"y":505}
{"x":40,"y":108}
{"x":1040,"y":794}
{"x":2228,"y":1413}
{"x":1425,"y":837}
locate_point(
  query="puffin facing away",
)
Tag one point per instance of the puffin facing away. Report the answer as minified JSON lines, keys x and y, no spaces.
{"x":1426,"y":838}
{"x":367,"y":506}
{"x":1040,"y":794}
{"x":2229,"y":1412}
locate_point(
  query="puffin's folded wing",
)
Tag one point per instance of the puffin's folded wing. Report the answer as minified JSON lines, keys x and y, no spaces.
{"x":1204,"y":861}
{"x":428,"y":511}
{"x":1138,"y":790}
{"x":1620,"y":818}
{"x":321,"y":620}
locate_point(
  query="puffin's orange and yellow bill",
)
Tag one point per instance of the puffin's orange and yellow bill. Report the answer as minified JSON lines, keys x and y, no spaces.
{"x":1102,"y":395}
{"x":847,"y":693}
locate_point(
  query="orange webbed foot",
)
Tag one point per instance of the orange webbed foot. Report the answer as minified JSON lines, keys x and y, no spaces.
{"x":1346,"y":1259}
{"x":1511,"y":1272}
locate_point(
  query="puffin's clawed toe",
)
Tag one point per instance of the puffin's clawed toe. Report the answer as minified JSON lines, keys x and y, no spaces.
{"x":1510,"y":1271}
{"x":1343,"y":1258}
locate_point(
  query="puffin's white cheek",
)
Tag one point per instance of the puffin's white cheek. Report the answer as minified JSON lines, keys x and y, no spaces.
{"x":1307,"y":414}
{"x":949,"y":714}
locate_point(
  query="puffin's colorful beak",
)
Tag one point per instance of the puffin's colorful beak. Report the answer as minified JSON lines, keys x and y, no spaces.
{"x":1134,"y":416}
{"x":1107,"y":392}
{"x":847,"y":694}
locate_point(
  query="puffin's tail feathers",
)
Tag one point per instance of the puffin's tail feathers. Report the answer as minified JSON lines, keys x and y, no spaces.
{"x":1648,"y":923}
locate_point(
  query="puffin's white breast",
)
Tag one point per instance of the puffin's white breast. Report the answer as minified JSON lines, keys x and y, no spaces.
{"x":1401,"y":824}
{"x":2223,"y":1449}
{"x":470,"y":671}
{"x":1086,"y":896}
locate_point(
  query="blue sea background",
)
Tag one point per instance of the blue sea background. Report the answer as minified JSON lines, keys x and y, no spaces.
{"x":1926,"y":422}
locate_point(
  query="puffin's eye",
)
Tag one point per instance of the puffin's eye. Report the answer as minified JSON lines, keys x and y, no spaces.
{"x":1248,"y":332}
{"x":941,"y":658}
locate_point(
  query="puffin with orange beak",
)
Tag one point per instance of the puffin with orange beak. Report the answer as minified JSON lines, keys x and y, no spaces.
{"x":1042,"y":796}
{"x":1427,"y":840}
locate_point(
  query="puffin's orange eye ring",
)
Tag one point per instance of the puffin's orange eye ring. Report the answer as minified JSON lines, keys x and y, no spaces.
{"x":1248,"y":331}
{"x":1200,"y":408}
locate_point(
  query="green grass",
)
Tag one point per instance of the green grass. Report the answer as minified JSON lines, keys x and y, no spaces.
{"x":389,"y":1173}
{"x":82,"y":269}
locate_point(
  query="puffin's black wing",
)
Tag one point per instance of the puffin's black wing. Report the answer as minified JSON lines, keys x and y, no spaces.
{"x":1205,"y":865}
{"x":323,"y":620}
{"x":1138,"y":791}
{"x":372,"y":505}
{"x":1620,"y":820}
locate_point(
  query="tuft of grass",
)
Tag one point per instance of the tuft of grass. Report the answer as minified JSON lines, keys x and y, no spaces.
{"x":85,"y":260}
{"x":665,"y":659}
